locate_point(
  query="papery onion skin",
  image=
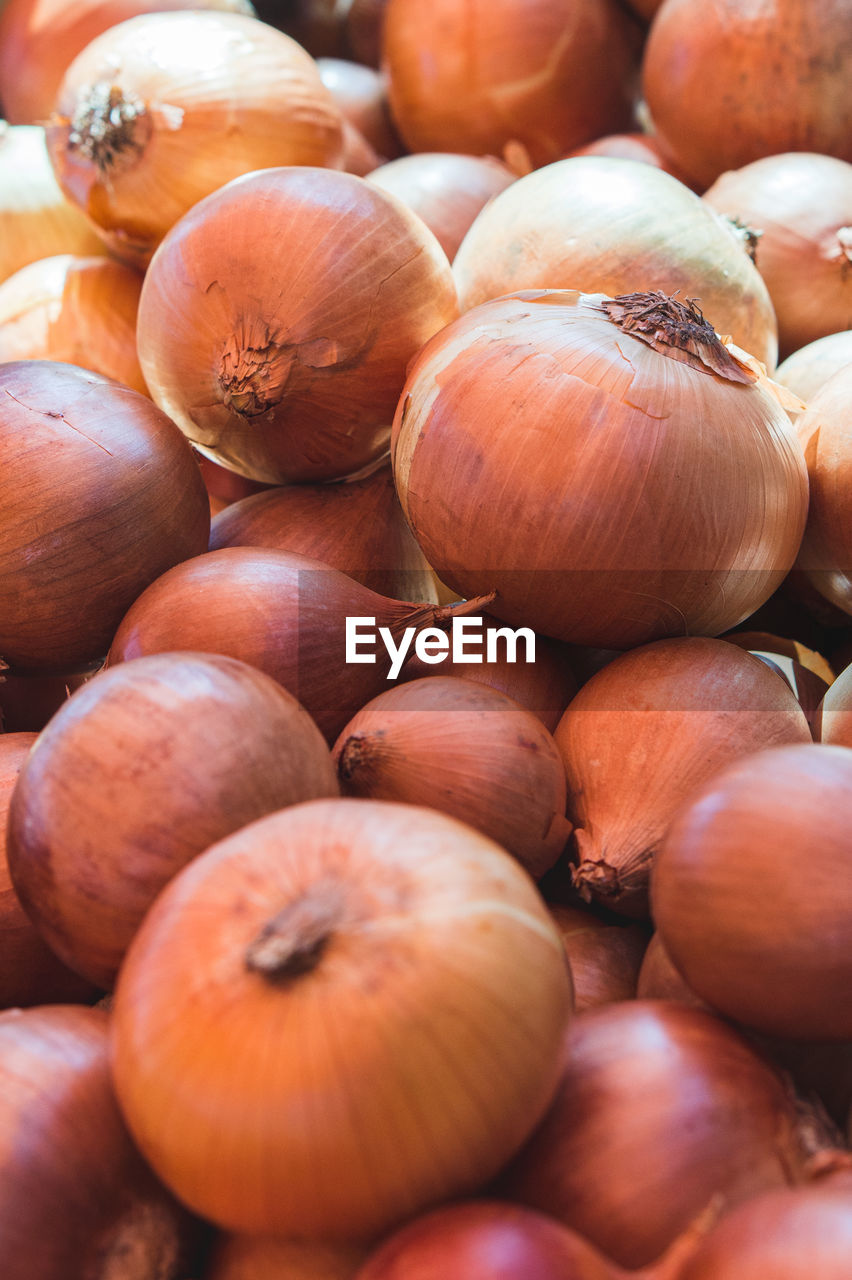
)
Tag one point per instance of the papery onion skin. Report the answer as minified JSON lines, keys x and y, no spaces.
{"x":611,"y":226}
{"x":557,"y":439}
{"x":605,"y":958}
{"x":466,"y":79}
{"x":751,"y":893}
{"x":75,"y":310}
{"x":122,"y":757}
{"x":825,"y":556}
{"x":100,"y":494}
{"x":661,"y":1107}
{"x":288,"y":368}
{"x":806,"y":370}
{"x":163,"y":109}
{"x":239,"y":1257}
{"x":395,"y":997}
{"x":643,"y":734}
{"x":76,"y":1200}
{"x":729,"y":83}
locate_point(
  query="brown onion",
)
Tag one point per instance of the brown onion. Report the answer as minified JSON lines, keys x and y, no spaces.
{"x":447,"y":191}
{"x":729,"y":83}
{"x":100,"y":495}
{"x":825,"y":557}
{"x":643,"y":734}
{"x":361,"y":93}
{"x":616,"y":226}
{"x":801,"y":204}
{"x":387,"y":1001}
{"x":76,"y":310}
{"x":468,"y":751}
{"x":76,"y":1200}
{"x":806,"y":370}
{"x":463,"y":78}
{"x":112,"y":803}
{"x":288,"y":367}
{"x":356,"y":526}
{"x":751,"y":897}
{"x":558,"y":448}
{"x":281,"y":612}
{"x":239,"y":1257}
{"x":661,"y":1108}
{"x":605,"y":957}
{"x":660,"y":980}
{"x":139,"y":135}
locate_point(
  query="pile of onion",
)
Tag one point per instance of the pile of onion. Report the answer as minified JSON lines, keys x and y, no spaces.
{"x":608,"y":466}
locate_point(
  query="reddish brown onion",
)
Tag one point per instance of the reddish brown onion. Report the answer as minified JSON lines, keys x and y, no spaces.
{"x":660,"y":980}
{"x":605,"y":958}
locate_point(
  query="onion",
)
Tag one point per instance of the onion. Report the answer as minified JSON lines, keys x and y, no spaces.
{"x":605,"y":958}
{"x":99,"y":495}
{"x":76,"y":310}
{"x":607,"y":491}
{"x":122,"y":756}
{"x":394,"y":996}
{"x":660,"y":1108}
{"x":834,"y":716}
{"x":224,"y":486}
{"x":807,"y":673}
{"x":76,"y":1201}
{"x":643,"y":734}
{"x":357,"y":527}
{"x":750,"y":894}
{"x":359,"y":157}
{"x":39,"y":38}
{"x":806,"y":370}
{"x":290,"y":372}
{"x":660,"y":980}
{"x":642,"y":147}
{"x":616,"y":226}
{"x":36,"y":221}
{"x":361,"y":94}
{"x":267,"y":1258}
{"x":278,"y":611}
{"x":729,"y":83}
{"x":29,"y":972}
{"x":464,"y":78}
{"x":466,"y":750}
{"x":447,"y":191}
{"x":825,"y":557}
{"x":801,"y":204}
{"x":140,"y":135}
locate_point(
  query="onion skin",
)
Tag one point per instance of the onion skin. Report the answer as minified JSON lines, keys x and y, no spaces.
{"x":356,"y":527}
{"x":807,"y":370}
{"x":643,"y":734}
{"x":430,"y":968}
{"x":266,"y":1258}
{"x":122,"y":756}
{"x":76,"y":1200}
{"x":539,"y":496}
{"x":75,"y":310}
{"x":661,"y":1108}
{"x":765,"y":842}
{"x":825,"y":556}
{"x":632,"y":227}
{"x":81,"y":535}
{"x":465,"y":750}
{"x":282,"y":375}
{"x":605,"y":958}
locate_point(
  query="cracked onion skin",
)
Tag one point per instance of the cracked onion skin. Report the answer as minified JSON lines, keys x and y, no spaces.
{"x":287,"y":366}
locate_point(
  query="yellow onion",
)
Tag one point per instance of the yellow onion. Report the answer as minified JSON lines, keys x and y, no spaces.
{"x":806,"y":370}
{"x":825,"y":431}
{"x":76,"y":310}
{"x":361,"y":94}
{"x":386,"y":1000}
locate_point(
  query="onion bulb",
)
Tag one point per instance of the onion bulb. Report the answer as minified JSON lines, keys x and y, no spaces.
{"x":606,"y":465}
{"x":161,"y":110}
{"x":76,"y":310}
{"x":361,"y":94}
{"x":605,"y":957}
{"x":616,"y":226}
{"x":660,"y":980}
{"x":805,"y":371}
{"x":751,"y":896}
{"x":825,"y":557}
{"x":387,"y":1001}
{"x":288,"y":367}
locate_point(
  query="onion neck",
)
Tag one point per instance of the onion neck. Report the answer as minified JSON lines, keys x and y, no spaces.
{"x":356,"y":757}
{"x":676,"y":329}
{"x":144,"y":1244}
{"x":293,"y":942}
{"x":109,"y":128}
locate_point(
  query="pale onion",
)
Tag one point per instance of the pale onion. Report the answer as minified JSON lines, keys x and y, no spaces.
{"x":446,"y":190}
{"x":288,"y":366}
{"x":361,"y":94}
{"x":643,"y":734}
{"x":825,"y":432}
{"x":36,"y":220}
{"x":387,"y":1001}
{"x":39,"y":38}
{"x":466,"y":78}
{"x":730,"y":82}
{"x":165,"y":108}
{"x":806,"y":370}
{"x":76,"y":310}
{"x":752,"y":895}
{"x":605,"y":957}
{"x":611,"y":226}
{"x":610,"y":491}
{"x":801,"y":205}
{"x":466,"y":750}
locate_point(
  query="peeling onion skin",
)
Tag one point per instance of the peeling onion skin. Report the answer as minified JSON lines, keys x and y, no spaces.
{"x":557,"y":438}
{"x":752,"y":892}
{"x":825,"y":432}
{"x":288,"y":367}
